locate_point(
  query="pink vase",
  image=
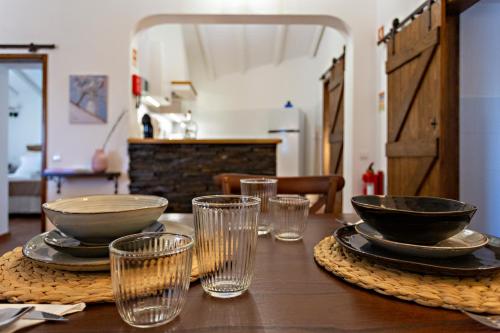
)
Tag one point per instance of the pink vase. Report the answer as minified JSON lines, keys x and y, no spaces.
{"x":99,"y":161}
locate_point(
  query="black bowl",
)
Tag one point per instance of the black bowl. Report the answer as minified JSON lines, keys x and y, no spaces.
{"x":415,"y":220}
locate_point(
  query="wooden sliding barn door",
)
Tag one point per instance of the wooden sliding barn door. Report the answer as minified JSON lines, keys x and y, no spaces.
{"x":333,"y":123}
{"x":422,"y":69}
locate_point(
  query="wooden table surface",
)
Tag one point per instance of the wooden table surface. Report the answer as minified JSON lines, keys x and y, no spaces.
{"x":289,"y":293}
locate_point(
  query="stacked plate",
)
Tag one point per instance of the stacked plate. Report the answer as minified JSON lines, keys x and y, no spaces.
{"x":465,"y":242}
{"x":59,"y":251}
{"x":420,"y":234}
{"x":85,"y":226}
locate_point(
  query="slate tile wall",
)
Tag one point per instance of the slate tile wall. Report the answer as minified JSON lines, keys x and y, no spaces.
{"x":180,"y":172}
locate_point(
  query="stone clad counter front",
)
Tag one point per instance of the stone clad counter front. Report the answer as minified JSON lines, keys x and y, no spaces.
{"x":180,"y":170}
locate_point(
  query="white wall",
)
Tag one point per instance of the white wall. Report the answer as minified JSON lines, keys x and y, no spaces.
{"x":480,"y":113}
{"x":234,"y":105}
{"x":26,"y":128}
{"x":94,"y":37}
{"x":4,"y":189}
{"x":161,"y":56}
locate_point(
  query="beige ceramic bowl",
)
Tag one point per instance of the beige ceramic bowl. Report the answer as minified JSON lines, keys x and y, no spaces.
{"x":102,"y":218}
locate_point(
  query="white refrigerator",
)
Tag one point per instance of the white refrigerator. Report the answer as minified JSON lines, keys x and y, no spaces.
{"x":288,"y":125}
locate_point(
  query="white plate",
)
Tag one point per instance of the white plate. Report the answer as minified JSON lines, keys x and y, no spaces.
{"x":463,"y":243}
{"x":36,"y":250}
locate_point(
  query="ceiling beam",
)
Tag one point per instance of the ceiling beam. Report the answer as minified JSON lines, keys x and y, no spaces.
{"x":25,"y":77}
{"x":316,"y":41}
{"x":243,"y":49}
{"x":205,"y":51}
{"x":279,"y":47}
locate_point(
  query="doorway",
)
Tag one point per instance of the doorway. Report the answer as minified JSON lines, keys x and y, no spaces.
{"x":23,"y":82}
{"x":234,"y":81}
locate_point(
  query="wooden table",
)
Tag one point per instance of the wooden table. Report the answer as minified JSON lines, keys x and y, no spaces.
{"x":289,"y":293}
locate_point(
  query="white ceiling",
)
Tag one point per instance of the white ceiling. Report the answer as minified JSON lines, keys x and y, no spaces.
{"x":227,"y":49}
{"x":25,"y":79}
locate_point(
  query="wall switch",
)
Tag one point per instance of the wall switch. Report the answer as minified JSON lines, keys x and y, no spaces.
{"x":56,"y":158}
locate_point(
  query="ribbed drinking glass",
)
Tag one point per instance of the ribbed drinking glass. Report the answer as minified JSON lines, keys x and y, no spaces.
{"x":263,"y":188}
{"x":289,"y":216}
{"x":150,"y":274}
{"x":226,"y":239}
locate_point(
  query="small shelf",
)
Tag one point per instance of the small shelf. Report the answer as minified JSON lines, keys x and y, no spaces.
{"x":184,"y":90}
{"x":59,"y":174}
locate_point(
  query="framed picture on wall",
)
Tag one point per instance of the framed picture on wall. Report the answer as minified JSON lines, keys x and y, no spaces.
{"x":88,"y":99}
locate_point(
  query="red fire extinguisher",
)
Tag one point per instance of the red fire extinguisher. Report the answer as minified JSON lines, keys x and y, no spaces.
{"x":373,"y":183}
{"x":136,"y":85}
{"x":137,"y":89}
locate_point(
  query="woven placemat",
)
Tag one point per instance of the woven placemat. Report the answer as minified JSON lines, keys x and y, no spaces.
{"x":481,"y":294}
{"x":25,"y":281}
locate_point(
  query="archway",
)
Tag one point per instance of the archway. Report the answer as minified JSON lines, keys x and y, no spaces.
{"x":324,"y":20}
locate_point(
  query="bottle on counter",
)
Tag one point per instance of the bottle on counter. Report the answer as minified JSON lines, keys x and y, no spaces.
{"x":147,"y":126}
{"x":190,"y":127}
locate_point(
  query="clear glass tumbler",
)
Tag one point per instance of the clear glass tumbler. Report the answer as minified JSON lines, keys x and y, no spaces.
{"x":263,"y":188}
{"x":150,"y":274}
{"x":289,"y":216}
{"x":226,"y":239}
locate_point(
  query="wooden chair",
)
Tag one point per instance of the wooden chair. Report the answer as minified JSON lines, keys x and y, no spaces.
{"x":325,"y":186}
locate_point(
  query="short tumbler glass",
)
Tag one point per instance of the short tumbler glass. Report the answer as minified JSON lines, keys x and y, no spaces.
{"x":263,"y":188}
{"x":226,"y":239}
{"x":150,"y":274}
{"x":289,"y":216}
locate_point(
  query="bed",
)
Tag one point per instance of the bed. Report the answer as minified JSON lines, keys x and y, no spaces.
{"x":25,"y":185}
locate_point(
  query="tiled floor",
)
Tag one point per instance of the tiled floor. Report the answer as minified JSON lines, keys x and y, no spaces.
{"x":22,"y":228}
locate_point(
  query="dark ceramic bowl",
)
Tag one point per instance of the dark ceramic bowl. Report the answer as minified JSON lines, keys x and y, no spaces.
{"x":414,"y":220}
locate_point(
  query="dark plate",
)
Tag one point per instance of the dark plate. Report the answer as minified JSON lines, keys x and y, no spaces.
{"x":482,"y":261}
{"x":414,"y":220}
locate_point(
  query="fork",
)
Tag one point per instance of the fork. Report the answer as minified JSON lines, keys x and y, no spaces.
{"x":490,"y":321}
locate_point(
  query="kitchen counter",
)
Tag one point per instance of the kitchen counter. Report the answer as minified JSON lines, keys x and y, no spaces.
{"x":204,"y":141}
{"x":180,"y":170}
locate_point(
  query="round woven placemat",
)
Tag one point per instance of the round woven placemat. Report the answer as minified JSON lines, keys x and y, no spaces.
{"x":25,"y":281}
{"x":481,"y":294}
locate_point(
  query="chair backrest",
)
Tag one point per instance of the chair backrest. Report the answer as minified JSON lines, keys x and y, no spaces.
{"x":325,"y":186}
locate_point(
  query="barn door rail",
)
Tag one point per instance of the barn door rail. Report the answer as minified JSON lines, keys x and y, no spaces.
{"x":334,"y":62}
{"x":32,"y":47}
{"x":398,"y":25}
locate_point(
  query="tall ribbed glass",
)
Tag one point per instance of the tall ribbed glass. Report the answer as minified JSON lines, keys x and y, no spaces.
{"x":263,"y":188}
{"x":150,"y":274}
{"x":226,"y":239}
{"x":289,"y":216}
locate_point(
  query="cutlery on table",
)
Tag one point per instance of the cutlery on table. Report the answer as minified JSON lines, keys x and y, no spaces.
{"x":41,"y":315}
{"x":10,"y":315}
{"x":490,"y":321}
